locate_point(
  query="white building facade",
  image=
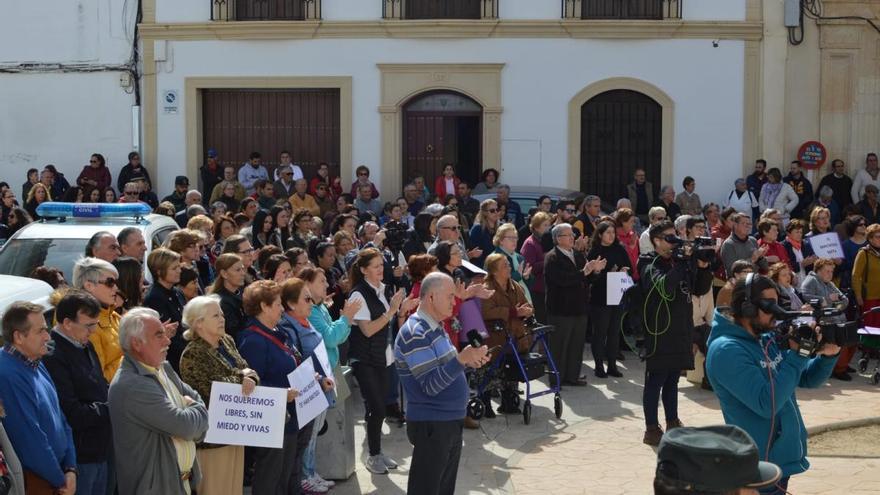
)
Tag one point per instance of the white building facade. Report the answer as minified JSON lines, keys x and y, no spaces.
{"x":551,"y":92}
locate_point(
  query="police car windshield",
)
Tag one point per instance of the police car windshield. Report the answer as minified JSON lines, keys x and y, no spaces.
{"x":21,"y":256}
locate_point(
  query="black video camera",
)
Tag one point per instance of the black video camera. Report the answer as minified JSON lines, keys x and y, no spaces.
{"x":701,"y":248}
{"x":803,"y":334}
{"x":395,"y":235}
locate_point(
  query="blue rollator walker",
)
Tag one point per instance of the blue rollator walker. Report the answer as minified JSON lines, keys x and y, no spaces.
{"x":513,"y":366}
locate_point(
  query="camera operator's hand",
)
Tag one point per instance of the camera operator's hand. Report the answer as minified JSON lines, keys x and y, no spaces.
{"x":826,"y":349}
{"x":474,"y":357}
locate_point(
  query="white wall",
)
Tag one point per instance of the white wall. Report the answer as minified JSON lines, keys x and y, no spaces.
{"x":714,"y":10}
{"x":706,"y":84}
{"x":64,"y":31}
{"x":62,"y":119}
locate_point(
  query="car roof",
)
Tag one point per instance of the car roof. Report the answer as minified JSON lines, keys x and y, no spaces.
{"x":536,"y":192}
{"x":23,"y":289}
{"x":78,"y":228}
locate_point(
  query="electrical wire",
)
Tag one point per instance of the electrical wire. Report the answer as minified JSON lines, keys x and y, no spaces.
{"x":815,"y":9}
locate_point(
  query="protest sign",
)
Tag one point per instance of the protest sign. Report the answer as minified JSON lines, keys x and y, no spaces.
{"x":311,"y":400}
{"x":617,"y":283}
{"x":826,"y":245}
{"x":322,"y":361}
{"x":255,"y":420}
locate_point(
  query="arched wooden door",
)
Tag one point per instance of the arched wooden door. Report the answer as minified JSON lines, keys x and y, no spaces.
{"x":442,"y":127}
{"x":621,"y":130}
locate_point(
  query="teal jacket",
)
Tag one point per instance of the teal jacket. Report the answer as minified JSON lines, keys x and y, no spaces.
{"x":738,"y":371}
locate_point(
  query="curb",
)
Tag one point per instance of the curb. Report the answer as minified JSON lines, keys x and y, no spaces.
{"x":842,"y":425}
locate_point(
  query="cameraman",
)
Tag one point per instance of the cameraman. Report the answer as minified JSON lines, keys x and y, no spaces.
{"x":755,"y":379}
{"x":667,"y":282}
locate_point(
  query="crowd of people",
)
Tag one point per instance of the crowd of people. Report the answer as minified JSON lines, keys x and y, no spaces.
{"x":266,"y":267}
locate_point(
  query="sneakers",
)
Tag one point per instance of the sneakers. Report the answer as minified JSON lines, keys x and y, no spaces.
{"x":376,"y":465}
{"x":328,"y":483}
{"x":309,"y":485}
{"x":653,"y":435}
{"x":389,"y":462}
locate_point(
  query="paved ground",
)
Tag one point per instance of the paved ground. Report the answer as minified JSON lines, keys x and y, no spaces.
{"x":596,"y":448}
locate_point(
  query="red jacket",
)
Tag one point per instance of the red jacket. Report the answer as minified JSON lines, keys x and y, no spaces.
{"x":775,"y":249}
{"x":101,"y":175}
{"x":440,"y":187}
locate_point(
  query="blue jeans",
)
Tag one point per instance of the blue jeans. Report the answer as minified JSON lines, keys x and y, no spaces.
{"x":779,"y":489}
{"x":91,"y":479}
{"x":309,"y":454}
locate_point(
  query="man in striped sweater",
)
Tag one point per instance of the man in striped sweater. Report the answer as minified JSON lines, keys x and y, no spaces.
{"x":432,"y":374}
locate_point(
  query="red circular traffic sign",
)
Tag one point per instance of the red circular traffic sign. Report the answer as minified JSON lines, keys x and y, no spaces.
{"x":812,"y":155}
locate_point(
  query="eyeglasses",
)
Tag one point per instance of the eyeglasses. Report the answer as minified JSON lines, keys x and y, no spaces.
{"x":510,"y":237}
{"x":247,"y":251}
{"x":131,"y":193}
{"x":93,"y":161}
{"x":108,"y":282}
{"x":493,"y":210}
{"x":455,"y":227}
{"x":570,"y":210}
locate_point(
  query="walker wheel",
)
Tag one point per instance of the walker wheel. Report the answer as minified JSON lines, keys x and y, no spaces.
{"x":527,"y":411}
{"x":863,"y":365}
{"x":876,"y":378}
{"x":557,"y":406}
{"x":476,"y":408}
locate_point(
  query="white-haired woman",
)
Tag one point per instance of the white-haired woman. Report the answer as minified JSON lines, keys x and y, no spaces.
{"x":98,"y":278}
{"x":211,"y":356}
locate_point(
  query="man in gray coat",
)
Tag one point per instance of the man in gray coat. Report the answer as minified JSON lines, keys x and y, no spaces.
{"x":741,"y":246}
{"x":157,"y":419}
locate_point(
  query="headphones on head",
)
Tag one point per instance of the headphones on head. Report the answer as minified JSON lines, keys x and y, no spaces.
{"x":748,"y":308}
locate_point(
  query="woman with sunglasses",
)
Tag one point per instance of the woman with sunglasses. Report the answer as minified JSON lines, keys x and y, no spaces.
{"x":95,"y":175}
{"x":483,"y":231}
{"x":98,"y":278}
{"x":166,"y":299}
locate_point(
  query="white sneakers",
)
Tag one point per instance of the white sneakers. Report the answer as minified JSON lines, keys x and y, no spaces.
{"x":380,"y":464}
{"x":316,"y":484}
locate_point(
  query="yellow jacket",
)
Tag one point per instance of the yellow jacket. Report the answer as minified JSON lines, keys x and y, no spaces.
{"x":106,"y":342}
{"x":866,"y":275}
{"x":307,"y":203}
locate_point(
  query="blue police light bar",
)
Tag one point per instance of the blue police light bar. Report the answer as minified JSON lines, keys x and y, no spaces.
{"x":92,"y":210}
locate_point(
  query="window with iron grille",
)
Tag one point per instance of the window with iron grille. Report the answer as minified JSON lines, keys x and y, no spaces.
{"x":265,"y":10}
{"x":439,"y":9}
{"x":623,"y":9}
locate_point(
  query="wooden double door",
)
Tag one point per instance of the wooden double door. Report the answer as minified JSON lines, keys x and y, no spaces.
{"x":441,"y":128}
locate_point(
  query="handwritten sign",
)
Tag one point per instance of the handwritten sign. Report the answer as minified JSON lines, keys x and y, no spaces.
{"x":827,"y":245}
{"x":255,"y":420}
{"x":322,"y":362}
{"x":617,"y":283}
{"x":311,"y":400}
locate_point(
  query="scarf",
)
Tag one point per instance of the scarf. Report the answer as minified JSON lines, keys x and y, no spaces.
{"x":771,"y":191}
{"x":795,"y":244}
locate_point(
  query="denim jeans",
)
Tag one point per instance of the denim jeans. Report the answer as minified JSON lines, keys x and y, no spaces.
{"x":309,"y":454}
{"x":91,"y":479}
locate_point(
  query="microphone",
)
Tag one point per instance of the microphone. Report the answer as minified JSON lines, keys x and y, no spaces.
{"x":474,"y":338}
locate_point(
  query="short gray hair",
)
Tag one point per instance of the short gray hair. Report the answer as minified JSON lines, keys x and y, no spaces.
{"x":432,"y":282}
{"x":193,"y":193}
{"x":95,"y":240}
{"x":557,"y":230}
{"x":666,"y":188}
{"x":195,"y":210}
{"x":131,"y":326}
{"x":624,"y":203}
{"x":502,"y":186}
{"x":654,"y":212}
{"x":89,"y":269}
{"x":681,"y":221}
{"x":195,"y":310}
{"x":446,"y":220}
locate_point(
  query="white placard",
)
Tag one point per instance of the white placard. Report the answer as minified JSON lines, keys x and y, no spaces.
{"x":320,"y":355}
{"x":311,"y":400}
{"x":617,"y":283}
{"x":255,"y":420}
{"x":826,"y":245}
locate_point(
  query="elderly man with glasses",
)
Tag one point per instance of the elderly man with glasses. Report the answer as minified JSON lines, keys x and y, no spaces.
{"x":448,"y":229}
{"x":283,"y":187}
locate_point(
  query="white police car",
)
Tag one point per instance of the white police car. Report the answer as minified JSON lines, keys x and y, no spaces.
{"x":26,"y":289}
{"x":61,"y":237}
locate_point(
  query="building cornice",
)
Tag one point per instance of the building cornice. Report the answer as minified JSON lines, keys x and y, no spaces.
{"x":445,"y":29}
